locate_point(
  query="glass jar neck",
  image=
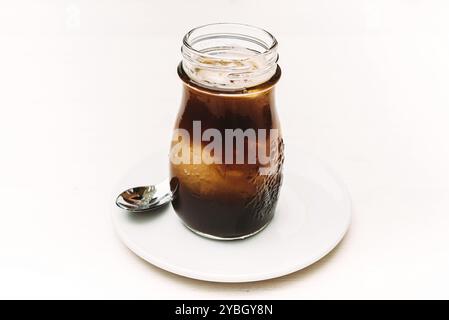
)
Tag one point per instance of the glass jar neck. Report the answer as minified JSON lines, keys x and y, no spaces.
{"x":229,"y":57}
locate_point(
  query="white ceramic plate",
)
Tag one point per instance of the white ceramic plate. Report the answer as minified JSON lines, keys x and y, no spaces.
{"x":312,"y":216}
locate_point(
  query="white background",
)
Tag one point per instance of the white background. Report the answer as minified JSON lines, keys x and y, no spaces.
{"x":89,"y":88}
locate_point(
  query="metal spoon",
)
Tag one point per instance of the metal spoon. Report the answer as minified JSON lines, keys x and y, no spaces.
{"x":146,"y":198}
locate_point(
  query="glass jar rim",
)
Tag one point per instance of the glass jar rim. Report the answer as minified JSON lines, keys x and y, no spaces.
{"x":189,"y":45}
{"x":229,"y":56}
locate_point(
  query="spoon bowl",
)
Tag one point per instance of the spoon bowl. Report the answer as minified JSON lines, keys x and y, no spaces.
{"x":145,"y":198}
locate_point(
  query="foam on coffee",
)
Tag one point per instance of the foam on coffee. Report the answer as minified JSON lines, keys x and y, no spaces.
{"x":228,"y":68}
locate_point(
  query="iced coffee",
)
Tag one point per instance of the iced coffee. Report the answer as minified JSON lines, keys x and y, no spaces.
{"x":227,"y":152}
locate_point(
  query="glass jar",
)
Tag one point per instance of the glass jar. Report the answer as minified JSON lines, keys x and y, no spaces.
{"x":227,"y":152}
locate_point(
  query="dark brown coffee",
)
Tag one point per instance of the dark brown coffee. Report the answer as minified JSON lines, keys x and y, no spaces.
{"x":228,"y":200}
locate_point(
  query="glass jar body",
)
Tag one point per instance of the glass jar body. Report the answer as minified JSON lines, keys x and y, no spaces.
{"x":226,"y":159}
